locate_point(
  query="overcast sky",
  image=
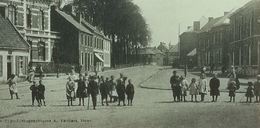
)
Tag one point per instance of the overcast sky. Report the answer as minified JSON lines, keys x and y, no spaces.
{"x":164,"y":16}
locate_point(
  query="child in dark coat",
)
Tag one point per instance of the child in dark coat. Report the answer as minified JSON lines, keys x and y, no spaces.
{"x":249,"y":92}
{"x":34,"y":89}
{"x":130,"y":91}
{"x":41,"y":91}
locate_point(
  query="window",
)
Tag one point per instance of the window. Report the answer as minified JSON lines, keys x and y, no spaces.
{"x":82,"y":58}
{"x":82,"y":39}
{"x":41,"y":50}
{"x":12,"y":14}
{"x":86,"y":40}
{"x":41,"y":20}
{"x":1,"y":66}
{"x":2,"y":11}
{"x":29,"y":18}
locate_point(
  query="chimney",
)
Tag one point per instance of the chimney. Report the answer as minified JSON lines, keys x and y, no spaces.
{"x":225,"y":13}
{"x":210,"y":19}
{"x":196,"y":25}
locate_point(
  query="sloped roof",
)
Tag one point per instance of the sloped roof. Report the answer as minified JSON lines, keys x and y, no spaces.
{"x":224,"y":20}
{"x":210,"y":24}
{"x":74,"y":22}
{"x":10,"y":38}
{"x":149,"y":51}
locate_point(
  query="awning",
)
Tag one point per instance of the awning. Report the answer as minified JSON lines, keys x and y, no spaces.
{"x":99,"y":58}
{"x":192,"y":53}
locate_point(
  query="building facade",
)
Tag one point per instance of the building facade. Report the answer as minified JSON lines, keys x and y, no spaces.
{"x":14,"y":51}
{"x":32,"y":19}
{"x":81,"y":44}
{"x":213,"y":46}
{"x":245,"y":38}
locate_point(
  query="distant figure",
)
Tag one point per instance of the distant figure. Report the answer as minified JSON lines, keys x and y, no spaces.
{"x":257,"y":89}
{"x":214,"y":88}
{"x":13,"y":86}
{"x":202,"y":86}
{"x":70,"y":90}
{"x":130,"y":91}
{"x":232,"y":90}
{"x":203,"y":70}
{"x":193,"y":89}
{"x":212,"y":68}
{"x":249,"y":92}
{"x":41,"y":92}
{"x":104,"y":90}
{"x":184,"y":87}
{"x":31,"y":74}
{"x":40,"y":69}
{"x":35,"y":90}
{"x":81,"y":90}
{"x":174,"y":81}
{"x":93,"y":90}
{"x":185,"y":71}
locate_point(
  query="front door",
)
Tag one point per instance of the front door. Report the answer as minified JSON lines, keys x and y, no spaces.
{"x":9,"y":67}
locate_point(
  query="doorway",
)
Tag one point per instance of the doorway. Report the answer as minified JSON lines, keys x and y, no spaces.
{"x":9,"y":66}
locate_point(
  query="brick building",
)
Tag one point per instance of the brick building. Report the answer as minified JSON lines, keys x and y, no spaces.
{"x":81,"y":44}
{"x":245,"y":38}
{"x":32,"y":19}
{"x":214,"y":40}
{"x":188,"y":42}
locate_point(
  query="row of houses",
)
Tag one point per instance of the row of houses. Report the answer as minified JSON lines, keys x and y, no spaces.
{"x":32,"y":32}
{"x":231,"y":39}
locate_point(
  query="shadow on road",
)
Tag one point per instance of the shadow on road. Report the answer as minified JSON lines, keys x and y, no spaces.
{"x":27,"y":106}
{"x":14,"y":114}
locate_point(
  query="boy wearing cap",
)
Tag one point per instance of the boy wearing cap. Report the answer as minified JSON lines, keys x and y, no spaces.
{"x":34,"y":89}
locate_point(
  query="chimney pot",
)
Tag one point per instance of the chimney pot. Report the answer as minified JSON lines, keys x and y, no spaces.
{"x":210,"y":19}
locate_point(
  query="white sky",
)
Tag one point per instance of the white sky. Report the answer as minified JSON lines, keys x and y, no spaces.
{"x":164,"y":16}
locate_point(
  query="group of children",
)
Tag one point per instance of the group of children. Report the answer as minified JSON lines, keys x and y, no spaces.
{"x":180,"y":86}
{"x":94,"y":85}
{"x":38,"y":91}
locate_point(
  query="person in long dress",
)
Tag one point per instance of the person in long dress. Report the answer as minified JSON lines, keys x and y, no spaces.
{"x":202,"y":86}
{"x":112,"y":90}
{"x":13,"y":86}
{"x":193,"y":89}
{"x":214,"y":88}
{"x":184,"y":87}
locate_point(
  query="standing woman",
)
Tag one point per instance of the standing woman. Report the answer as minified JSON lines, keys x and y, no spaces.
{"x":203,"y":86}
{"x":214,"y":88}
{"x":13,"y":86}
{"x":70,"y":90}
{"x":81,"y":90}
